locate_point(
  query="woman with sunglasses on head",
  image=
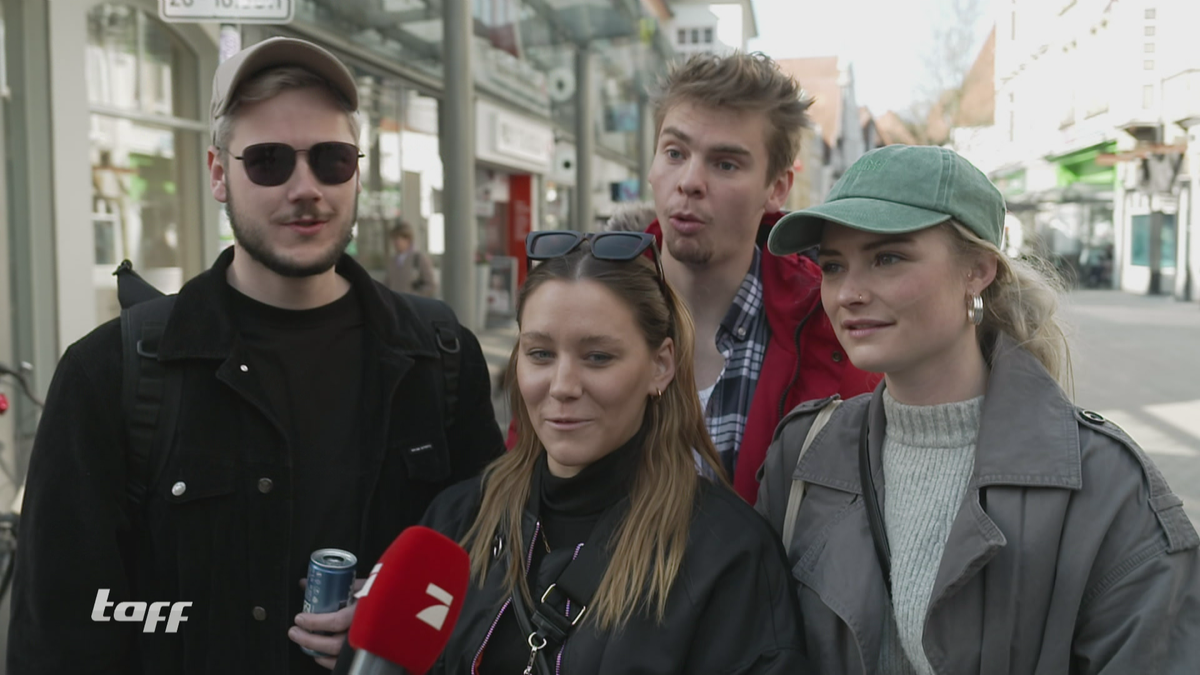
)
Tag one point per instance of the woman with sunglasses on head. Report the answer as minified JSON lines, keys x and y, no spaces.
{"x":595,"y":546}
{"x":966,"y":517}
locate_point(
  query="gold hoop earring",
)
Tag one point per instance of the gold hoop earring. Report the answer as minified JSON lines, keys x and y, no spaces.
{"x":975,"y":308}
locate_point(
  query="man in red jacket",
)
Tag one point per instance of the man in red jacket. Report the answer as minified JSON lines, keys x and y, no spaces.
{"x":728,"y":129}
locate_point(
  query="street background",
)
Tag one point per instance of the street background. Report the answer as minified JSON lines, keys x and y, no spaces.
{"x":1137,"y":363}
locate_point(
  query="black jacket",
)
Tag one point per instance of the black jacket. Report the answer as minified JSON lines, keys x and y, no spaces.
{"x":730,"y":611}
{"x":223,"y":543}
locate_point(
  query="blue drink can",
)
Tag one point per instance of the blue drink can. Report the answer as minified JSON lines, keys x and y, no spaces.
{"x":330,"y":583}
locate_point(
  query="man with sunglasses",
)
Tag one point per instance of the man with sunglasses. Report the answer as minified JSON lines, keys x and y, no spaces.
{"x":309,"y":413}
{"x":728,"y":129}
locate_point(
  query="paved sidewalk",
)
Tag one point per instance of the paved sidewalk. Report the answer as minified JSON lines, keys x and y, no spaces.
{"x":1137,"y":362}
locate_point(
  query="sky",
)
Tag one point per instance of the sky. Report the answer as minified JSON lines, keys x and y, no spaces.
{"x":883,"y":39}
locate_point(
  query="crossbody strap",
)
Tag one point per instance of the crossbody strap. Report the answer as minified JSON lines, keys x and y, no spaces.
{"x":871,"y":499}
{"x":797,"y":492}
{"x":548,"y":626}
{"x":577,"y":583}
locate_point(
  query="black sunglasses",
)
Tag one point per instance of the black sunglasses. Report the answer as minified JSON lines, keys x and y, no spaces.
{"x":271,"y":164}
{"x":613,"y":246}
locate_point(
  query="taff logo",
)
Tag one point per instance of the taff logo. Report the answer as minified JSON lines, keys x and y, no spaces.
{"x":136,"y":612}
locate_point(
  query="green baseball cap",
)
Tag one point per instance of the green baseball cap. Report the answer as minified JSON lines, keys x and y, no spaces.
{"x":896,"y":189}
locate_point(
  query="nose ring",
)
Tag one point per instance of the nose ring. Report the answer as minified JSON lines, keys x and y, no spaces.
{"x":860,"y":297}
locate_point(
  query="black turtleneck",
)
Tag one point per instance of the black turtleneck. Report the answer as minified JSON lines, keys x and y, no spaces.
{"x":568,"y":510}
{"x":569,"y":507}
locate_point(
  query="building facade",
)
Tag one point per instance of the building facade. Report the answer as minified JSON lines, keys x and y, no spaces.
{"x":1095,"y":102}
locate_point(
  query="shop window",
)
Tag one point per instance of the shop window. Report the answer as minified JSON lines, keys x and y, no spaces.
{"x":146,"y":139}
{"x":1139,"y":250}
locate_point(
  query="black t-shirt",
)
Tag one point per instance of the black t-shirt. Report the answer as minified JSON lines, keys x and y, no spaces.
{"x":310,"y":367}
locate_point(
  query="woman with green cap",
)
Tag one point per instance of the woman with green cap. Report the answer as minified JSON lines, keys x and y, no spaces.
{"x":966,"y":517}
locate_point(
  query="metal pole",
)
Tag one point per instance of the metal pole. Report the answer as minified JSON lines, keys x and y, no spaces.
{"x":645,"y":145}
{"x":585,"y":139}
{"x":457,"y":131}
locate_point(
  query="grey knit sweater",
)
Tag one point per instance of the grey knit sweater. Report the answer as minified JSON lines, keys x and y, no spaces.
{"x":928,"y":455}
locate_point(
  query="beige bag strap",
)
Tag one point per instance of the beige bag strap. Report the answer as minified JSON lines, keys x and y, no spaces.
{"x":797,"y":493}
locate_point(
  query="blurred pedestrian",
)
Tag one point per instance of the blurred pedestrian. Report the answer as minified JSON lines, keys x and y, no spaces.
{"x":410,"y":270}
{"x":966,"y":517}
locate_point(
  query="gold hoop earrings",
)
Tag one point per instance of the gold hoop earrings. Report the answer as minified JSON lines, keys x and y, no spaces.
{"x":975,"y":308}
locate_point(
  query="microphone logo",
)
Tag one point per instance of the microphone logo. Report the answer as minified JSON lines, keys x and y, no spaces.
{"x":436,"y":615}
{"x":370,"y":582}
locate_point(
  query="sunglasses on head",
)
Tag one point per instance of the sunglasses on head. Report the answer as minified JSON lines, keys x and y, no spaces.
{"x":612,"y":246}
{"x":271,"y":164}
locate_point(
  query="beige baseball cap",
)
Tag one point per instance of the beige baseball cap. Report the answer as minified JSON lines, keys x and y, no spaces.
{"x":274,"y":52}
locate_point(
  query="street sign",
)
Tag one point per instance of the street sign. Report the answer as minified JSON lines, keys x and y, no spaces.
{"x":226,"y":11}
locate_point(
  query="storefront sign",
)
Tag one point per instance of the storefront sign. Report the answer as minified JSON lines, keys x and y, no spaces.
{"x":513,"y":140}
{"x":523,"y":140}
{"x":226,"y":11}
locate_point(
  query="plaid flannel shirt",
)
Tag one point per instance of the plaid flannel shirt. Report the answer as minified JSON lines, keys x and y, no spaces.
{"x":742,"y":339}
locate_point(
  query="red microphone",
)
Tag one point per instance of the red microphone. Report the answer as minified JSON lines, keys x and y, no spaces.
{"x":409,"y":605}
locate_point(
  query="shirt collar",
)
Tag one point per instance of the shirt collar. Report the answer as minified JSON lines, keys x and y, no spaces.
{"x":747,"y":304}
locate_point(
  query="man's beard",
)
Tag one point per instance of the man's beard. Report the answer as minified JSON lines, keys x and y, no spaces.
{"x":688,"y":251}
{"x":256,"y":246}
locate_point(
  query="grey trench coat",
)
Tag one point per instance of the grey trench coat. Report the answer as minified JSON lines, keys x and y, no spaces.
{"x":1069,"y":553}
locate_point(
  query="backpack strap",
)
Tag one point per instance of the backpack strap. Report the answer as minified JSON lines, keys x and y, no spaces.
{"x":797,"y":492}
{"x":444,"y":323}
{"x":150,"y":393}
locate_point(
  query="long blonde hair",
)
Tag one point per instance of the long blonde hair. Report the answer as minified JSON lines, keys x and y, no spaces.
{"x":1021,"y":302}
{"x":648,"y":545}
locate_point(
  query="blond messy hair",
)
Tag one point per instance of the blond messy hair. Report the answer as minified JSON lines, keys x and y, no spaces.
{"x":1021,"y":302}
{"x":741,"y":82}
